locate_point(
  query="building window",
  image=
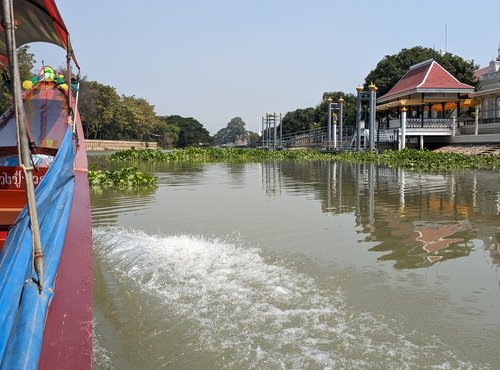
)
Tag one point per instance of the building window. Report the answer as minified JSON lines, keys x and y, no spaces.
{"x":489,"y":108}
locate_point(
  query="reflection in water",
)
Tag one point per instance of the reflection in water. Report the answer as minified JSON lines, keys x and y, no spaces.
{"x":274,"y":265}
{"x":417,"y":219}
{"x":114,"y":203}
{"x":272,"y":181}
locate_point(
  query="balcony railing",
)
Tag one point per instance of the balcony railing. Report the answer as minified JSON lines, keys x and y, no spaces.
{"x":429,"y":123}
{"x":425,"y":123}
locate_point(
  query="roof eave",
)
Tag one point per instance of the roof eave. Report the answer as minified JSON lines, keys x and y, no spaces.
{"x":418,"y":90}
{"x":493,"y":91}
{"x":445,"y":90}
{"x":385,"y":98}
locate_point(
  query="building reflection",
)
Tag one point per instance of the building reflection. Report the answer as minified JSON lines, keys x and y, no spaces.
{"x":416,"y":219}
{"x":272,"y":181}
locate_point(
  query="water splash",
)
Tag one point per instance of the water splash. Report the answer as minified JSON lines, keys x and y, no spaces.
{"x":257,"y":313}
{"x":102,"y":358}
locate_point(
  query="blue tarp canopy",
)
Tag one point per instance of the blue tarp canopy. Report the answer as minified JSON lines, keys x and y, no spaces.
{"x":23,"y":309}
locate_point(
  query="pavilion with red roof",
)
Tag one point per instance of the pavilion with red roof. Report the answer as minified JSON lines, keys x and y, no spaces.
{"x":431,"y":96}
{"x":427,"y":84}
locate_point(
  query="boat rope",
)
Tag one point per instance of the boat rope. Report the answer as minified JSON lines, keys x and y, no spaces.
{"x":38,"y":259}
{"x":71,"y":113}
{"x":76,"y":104}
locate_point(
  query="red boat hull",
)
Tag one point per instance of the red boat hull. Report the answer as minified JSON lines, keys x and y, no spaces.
{"x":67,"y":339}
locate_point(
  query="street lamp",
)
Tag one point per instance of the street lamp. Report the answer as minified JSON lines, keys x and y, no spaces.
{"x":359,"y":102}
{"x":373,"y":110}
{"x":341,"y":109}
{"x":334,"y":106}
{"x":329,"y":126}
{"x":369,"y":97}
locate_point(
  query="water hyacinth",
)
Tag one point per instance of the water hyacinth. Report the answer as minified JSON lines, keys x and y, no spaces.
{"x":126,"y":178}
{"x":424,"y":160}
{"x":411,"y":159}
{"x":218,"y":155}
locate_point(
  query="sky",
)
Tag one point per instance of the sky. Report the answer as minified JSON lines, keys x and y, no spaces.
{"x":219,"y":59}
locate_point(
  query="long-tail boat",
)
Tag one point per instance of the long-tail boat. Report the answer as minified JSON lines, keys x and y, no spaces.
{"x":45,"y":224}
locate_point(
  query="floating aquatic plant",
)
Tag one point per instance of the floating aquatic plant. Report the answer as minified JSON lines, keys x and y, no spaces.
{"x":418,"y":160}
{"x":424,"y":160}
{"x":218,"y":155}
{"x":126,"y":178}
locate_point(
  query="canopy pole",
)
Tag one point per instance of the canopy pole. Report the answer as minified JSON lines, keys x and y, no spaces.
{"x":25,"y":155}
{"x":69,"y":54}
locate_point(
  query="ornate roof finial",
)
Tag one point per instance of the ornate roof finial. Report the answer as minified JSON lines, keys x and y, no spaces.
{"x":372,"y":87}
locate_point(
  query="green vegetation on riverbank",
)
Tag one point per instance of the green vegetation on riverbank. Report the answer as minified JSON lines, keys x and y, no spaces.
{"x":126,"y":178}
{"x":424,"y":160}
{"x":218,"y":155}
{"x":418,"y":160}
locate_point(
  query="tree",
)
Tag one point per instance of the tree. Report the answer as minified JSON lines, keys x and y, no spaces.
{"x":87,"y":105}
{"x":98,"y":106}
{"x":234,"y":131}
{"x":392,"y":67}
{"x":26,"y":64}
{"x":253,"y":138}
{"x":167,"y":134}
{"x":107,"y":116}
{"x":299,"y":120}
{"x":134,"y":119}
{"x":348,"y":109}
{"x":191,"y":132}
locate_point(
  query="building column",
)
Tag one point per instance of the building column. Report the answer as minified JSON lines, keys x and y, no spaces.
{"x":373,"y":108}
{"x":476,"y":120}
{"x":403,"y":128}
{"x":359,"y":89}
{"x":421,"y":142}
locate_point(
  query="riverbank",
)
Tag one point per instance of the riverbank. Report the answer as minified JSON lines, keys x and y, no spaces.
{"x":102,"y":145}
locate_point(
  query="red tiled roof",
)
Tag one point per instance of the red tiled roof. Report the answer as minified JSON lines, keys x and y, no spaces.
{"x":428,"y":75}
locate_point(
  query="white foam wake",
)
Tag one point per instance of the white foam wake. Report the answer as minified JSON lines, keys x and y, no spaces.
{"x":257,"y":313}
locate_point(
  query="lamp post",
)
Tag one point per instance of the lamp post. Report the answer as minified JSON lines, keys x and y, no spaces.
{"x":403,"y":128}
{"x":329,"y":126}
{"x":341,"y":109}
{"x":373,"y":104}
{"x":359,"y":100}
{"x":334,"y":128}
{"x":369,"y":97}
{"x":331,"y":107}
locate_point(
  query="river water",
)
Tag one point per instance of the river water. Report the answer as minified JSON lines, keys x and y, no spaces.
{"x":304,"y":265}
